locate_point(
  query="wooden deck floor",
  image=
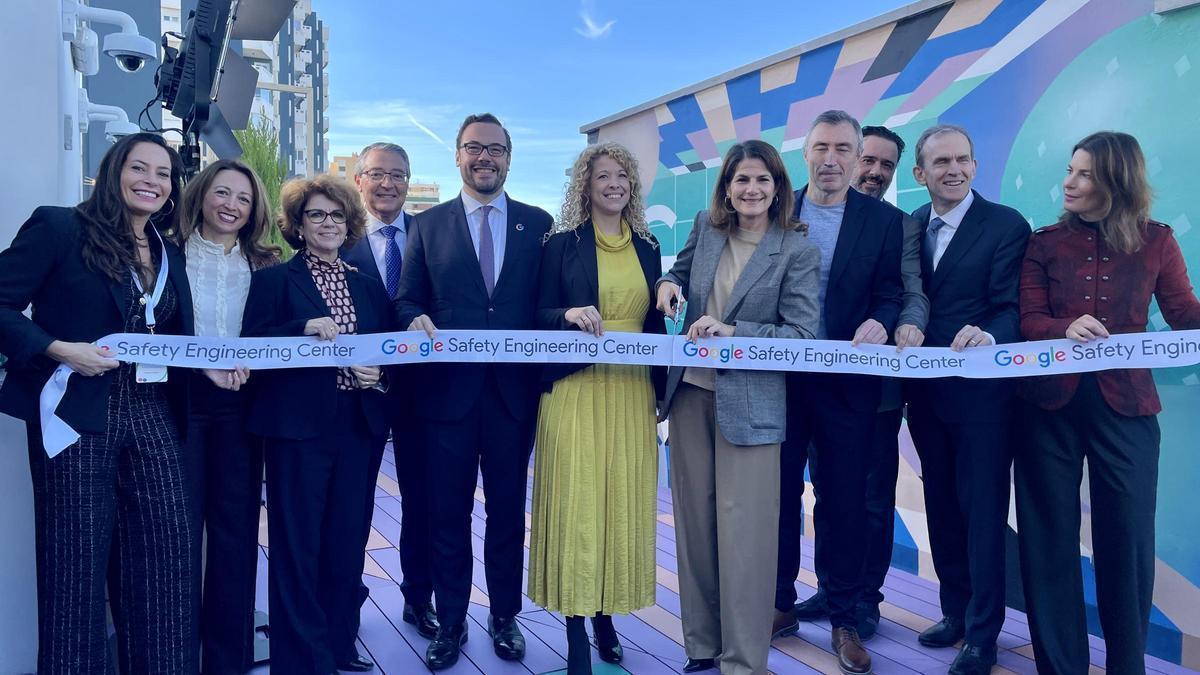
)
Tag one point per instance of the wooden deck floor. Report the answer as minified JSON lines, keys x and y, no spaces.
{"x":652,"y":637}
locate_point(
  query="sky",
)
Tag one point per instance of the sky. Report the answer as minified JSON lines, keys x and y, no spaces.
{"x":409,"y":72}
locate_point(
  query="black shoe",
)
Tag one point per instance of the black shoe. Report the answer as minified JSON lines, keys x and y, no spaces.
{"x":696,"y":665}
{"x":607,"y":643}
{"x":866,"y":617}
{"x":945,"y":633}
{"x":423,"y":617}
{"x":358,"y":664}
{"x":972,"y":660}
{"x":506,"y":638}
{"x":816,"y":607}
{"x":445,"y":647}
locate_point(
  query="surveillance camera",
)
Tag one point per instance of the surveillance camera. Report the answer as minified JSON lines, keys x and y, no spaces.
{"x":117,"y":128}
{"x":130,"y":50}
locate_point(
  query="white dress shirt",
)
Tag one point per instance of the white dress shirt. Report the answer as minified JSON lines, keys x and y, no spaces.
{"x":379,"y":241}
{"x":952,"y":220}
{"x":497,"y":221}
{"x":220,"y":282}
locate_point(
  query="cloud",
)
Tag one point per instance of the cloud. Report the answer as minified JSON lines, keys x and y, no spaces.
{"x":592,"y":30}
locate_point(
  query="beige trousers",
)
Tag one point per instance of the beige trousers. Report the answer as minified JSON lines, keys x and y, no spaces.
{"x":726,"y":500}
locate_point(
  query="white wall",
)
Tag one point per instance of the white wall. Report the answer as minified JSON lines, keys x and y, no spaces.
{"x":31,"y":145}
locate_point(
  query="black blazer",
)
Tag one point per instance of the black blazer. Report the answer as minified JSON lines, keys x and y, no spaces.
{"x":441,"y":278}
{"x":44,"y":267}
{"x":297,"y":403}
{"x":360,"y":256}
{"x":864,"y":283}
{"x":570,"y":278}
{"x":976,"y":283}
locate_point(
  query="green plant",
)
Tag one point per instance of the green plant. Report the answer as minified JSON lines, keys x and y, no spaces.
{"x":260,"y":149}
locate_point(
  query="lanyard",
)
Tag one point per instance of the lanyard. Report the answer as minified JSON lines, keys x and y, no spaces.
{"x":150,"y":300}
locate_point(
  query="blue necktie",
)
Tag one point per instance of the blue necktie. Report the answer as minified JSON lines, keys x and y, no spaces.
{"x":931,"y":240}
{"x":391,"y":260}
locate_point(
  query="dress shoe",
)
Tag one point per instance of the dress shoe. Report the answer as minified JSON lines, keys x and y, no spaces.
{"x":972,"y":660}
{"x":852,"y":656}
{"x":866,"y":617}
{"x":506,"y":638}
{"x":945,"y":633}
{"x":445,"y":647}
{"x":358,"y":664}
{"x":816,"y":607}
{"x":785,"y":623}
{"x":697,"y":665}
{"x":423,"y":617}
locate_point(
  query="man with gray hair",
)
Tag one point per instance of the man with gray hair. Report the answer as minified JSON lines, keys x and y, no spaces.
{"x":382,"y":176}
{"x":970,"y":265}
{"x":860,"y":296}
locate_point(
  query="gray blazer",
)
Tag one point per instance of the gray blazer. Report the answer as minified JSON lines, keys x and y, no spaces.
{"x":916,"y":306}
{"x":775,"y":297}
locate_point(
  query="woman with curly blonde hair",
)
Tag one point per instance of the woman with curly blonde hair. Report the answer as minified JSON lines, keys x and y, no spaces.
{"x":595,"y":476}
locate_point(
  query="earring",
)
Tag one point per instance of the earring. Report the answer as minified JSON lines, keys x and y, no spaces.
{"x":729,"y":205}
{"x":775,"y":202}
{"x":162,"y":213}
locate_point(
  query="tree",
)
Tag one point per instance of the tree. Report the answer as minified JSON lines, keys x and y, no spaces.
{"x":260,"y":149}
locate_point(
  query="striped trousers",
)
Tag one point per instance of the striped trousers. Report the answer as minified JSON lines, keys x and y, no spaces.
{"x":125,"y":487}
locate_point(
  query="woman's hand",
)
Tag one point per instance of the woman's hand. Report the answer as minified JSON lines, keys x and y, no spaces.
{"x":670,"y":299}
{"x":1086,"y":328}
{"x":367,"y":376}
{"x":324,"y":328}
{"x":587,"y":319}
{"x":82,"y":357}
{"x":228,"y":379}
{"x":706,"y":326}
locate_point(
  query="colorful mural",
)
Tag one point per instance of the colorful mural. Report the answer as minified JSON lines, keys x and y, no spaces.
{"x":1028,"y":78}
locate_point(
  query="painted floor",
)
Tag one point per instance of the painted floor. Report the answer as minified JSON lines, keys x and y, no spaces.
{"x":652,"y":637}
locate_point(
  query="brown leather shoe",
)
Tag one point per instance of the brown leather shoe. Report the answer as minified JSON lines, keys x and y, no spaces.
{"x":853,"y":658}
{"x":785,"y":623}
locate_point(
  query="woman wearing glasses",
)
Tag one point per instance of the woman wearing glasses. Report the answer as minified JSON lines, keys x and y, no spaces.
{"x":747,"y":271}
{"x":595,"y":477}
{"x":321,"y":426}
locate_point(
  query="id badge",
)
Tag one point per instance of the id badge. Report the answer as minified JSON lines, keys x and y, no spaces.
{"x":145,"y":373}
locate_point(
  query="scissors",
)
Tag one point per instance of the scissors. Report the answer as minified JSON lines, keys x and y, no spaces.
{"x":675,"y":326}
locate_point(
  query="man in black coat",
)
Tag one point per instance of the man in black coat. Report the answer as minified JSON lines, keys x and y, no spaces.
{"x":473,"y":263}
{"x":971,"y":262}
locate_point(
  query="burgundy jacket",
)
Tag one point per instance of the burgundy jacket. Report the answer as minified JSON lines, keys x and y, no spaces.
{"x":1068,"y":272}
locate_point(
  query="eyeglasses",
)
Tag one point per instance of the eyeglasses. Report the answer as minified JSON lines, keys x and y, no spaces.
{"x":377,"y":176}
{"x":317,"y":216}
{"x":476,"y":149}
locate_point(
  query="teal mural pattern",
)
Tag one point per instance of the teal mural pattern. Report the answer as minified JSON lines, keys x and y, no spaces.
{"x":1028,"y":78}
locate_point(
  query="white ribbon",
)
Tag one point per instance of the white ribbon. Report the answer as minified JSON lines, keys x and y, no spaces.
{"x":57,"y":435}
{"x":1047,"y":357}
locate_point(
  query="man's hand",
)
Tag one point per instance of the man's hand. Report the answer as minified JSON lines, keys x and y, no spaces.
{"x":970,"y":336}
{"x":908,"y":335}
{"x":871,"y":332}
{"x":424,"y":323}
{"x":1086,"y":328}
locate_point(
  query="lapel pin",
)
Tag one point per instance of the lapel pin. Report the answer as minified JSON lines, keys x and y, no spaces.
{"x":520,"y":227}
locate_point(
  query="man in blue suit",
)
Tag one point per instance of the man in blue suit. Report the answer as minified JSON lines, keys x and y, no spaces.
{"x":473,"y":263}
{"x":971,"y":255}
{"x":860,"y":294}
{"x":382,"y":177}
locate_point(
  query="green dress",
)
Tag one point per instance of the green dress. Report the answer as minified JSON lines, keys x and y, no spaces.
{"x":596,"y":466}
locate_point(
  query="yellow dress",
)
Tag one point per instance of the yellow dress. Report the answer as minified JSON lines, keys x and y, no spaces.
{"x":596,"y":466}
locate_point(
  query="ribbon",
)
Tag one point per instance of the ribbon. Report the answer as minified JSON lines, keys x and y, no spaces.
{"x":1167,"y":349}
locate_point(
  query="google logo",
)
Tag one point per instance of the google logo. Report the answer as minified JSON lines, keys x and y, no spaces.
{"x":724,"y":354}
{"x":1043,"y":359}
{"x":390,"y":346}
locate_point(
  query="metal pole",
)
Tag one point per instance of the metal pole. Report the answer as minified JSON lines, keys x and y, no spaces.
{"x":307,"y":93}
